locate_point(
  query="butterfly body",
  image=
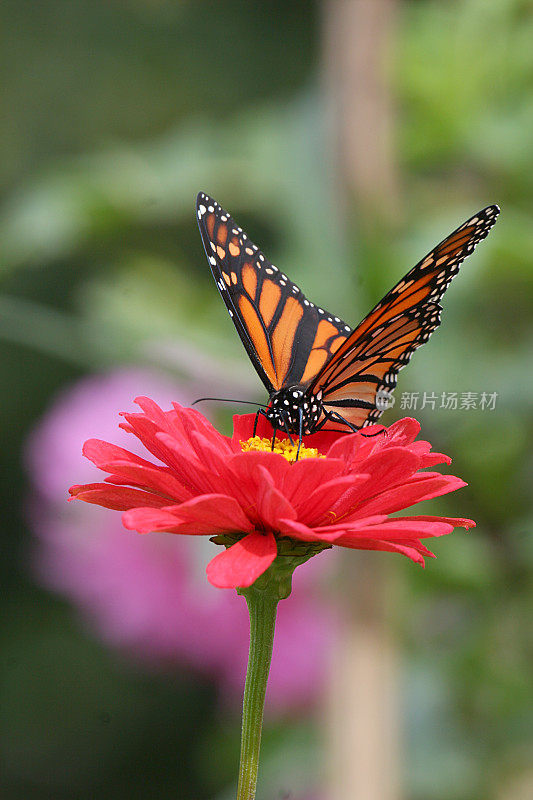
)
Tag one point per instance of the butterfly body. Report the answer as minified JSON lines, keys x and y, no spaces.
{"x":294,"y":410}
{"x":318,"y":371}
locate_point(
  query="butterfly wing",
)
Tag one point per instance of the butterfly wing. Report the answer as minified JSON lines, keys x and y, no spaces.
{"x":288,"y":338}
{"x":364,"y":369}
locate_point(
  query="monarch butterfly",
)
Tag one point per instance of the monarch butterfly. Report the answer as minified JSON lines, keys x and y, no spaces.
{"x":318,"y":371}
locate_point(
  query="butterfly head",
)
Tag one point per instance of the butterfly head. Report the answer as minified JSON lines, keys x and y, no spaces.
{"x":290,"y":405}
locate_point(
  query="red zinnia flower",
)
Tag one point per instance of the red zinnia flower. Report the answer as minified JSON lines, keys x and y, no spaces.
{"x":340,"y":492}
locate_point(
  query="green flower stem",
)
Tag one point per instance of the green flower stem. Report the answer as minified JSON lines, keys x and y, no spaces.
{"x":262,"y":607}
{"x":262,"y":599}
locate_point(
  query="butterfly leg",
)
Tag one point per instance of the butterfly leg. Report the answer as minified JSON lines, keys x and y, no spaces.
{"x":323,"y":421}
{"x":300,"y":432}
{"x":274,"y":438}
{"x":339,"y":417}
{"x":334,"y":416}
{"x":261,"y":412}
{"x":255,"y":422}
{"x":371,"y":435}
{"x":287,"y":431}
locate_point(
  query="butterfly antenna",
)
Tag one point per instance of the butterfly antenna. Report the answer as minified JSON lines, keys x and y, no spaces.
{"x":229,"y":400}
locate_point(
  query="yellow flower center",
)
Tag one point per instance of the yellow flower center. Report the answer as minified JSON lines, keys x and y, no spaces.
{"x":281,"y":446}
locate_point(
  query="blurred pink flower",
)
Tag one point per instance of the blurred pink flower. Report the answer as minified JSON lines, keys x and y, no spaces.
{"x":148,"y":594}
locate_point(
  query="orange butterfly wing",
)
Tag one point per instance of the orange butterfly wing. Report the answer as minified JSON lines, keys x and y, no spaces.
{"x":365,"y":367}
{"x":288,"y":338}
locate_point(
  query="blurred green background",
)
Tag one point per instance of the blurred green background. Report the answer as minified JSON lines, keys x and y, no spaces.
{"x":115,"y":115}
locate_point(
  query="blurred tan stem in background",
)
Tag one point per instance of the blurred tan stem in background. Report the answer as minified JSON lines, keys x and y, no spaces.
{"x":358,"y":49}
{"x":363,"y":703}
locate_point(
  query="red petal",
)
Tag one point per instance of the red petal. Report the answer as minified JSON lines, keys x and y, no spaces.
{"x":152,"y":411}
{"x":390,"y":547}
{"x":157,"y":479}
{"x":457,"y":522}
{"x":418,"y":546}
{"x":245,"y":478}
{"x":243,"y":427}
{"x":242,"y":563}
{"x":210,"y":454}
{"x":146,"y":431}
{"x":404,"y":431}
{"x":387,"y":468}
{"x":148,"y":520}
{"x":347,"y":505}
{"x":290,"y":527}
{"x":101,"y":453}
{"x":118,"y":498}
{"x":387,"y":530}
{"x":211,"y":514}
{"x":193,"y":420}
{"x":271,"y":504}
{"x":348,"y":447}
{"x":372,"y":430}
{"x":242,"y":465}
{"x":190,"y":470}
{"x":203,"y":516}
{"x":423,"y":486}
{"x":322,"y":440}
{"x":331,"y":499}
{"x":180,"y":422}
{"x":307,"y":475}
{"x":430,"y":459}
